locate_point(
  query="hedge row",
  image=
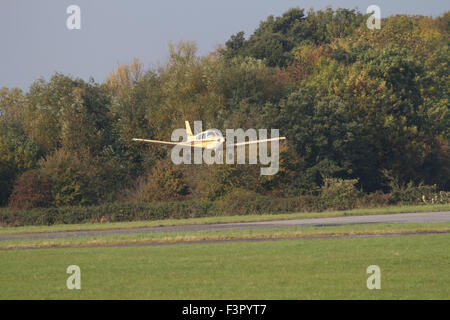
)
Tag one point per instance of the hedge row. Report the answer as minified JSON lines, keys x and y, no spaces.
{"x":243,"y":204}
{"x":116,"y":212}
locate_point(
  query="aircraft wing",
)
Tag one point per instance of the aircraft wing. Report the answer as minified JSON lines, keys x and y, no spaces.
{"x":254,"y":141}
{"x":160,"y":142}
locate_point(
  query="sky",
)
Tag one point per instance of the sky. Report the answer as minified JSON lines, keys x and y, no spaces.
{"x":35,"y":41}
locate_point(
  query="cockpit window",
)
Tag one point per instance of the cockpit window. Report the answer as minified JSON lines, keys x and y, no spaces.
{"x":217,"y":133}
{"x":208,"y":135}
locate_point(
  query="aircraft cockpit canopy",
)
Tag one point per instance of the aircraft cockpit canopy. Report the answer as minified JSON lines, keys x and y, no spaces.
{"x":210,"y":134}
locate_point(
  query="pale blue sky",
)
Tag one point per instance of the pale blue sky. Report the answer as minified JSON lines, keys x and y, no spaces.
{"x":36,"y":43}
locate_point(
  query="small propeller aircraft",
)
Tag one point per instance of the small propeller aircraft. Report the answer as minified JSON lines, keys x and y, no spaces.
{"x":209,"y":139}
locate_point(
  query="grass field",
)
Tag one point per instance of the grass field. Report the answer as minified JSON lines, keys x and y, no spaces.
{"x":412,"y":267}
{"x":225,"y":219}
{"x":227,"y":234}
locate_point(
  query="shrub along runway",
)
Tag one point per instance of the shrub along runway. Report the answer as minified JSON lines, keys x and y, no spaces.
{"x":399,"y":218}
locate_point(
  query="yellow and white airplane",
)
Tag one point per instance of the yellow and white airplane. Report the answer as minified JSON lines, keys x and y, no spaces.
{"x":209,"y":139}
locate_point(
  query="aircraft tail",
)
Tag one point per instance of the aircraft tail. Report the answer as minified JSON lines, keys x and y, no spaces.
{"x":188,"y":130}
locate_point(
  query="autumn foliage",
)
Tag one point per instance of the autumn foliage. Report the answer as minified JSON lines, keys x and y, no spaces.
{"x":31,"y":190}
{"x":360,"y":108}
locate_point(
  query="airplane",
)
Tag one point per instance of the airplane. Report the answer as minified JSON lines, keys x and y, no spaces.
{"x":209,"y":139}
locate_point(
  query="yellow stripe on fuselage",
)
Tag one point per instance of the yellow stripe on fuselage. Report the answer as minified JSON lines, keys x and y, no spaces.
{"x":201,"y":143}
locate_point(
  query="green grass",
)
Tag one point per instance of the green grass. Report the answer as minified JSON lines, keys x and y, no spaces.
{"x":412,"y":267}
{"x":224,"y":219}
{"x":227,"y":234}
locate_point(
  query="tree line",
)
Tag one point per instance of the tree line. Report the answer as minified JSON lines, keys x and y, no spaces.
{"x":360,"y":105}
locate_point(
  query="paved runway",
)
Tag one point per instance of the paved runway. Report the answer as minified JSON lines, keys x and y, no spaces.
{"x":422,"y":217}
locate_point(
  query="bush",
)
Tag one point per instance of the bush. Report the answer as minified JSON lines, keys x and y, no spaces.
{"x":441,"y":197}
{"x":310,"y":203}
{"x":374,"y":199}
{"x":412,"y":194}
{"x":7,"y":174}
{"x":165,"y":182}
{"x":33,"y":189}
{"x":75,"y":178}
{"x":245,"y":202}
{"x":339,"y":194}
